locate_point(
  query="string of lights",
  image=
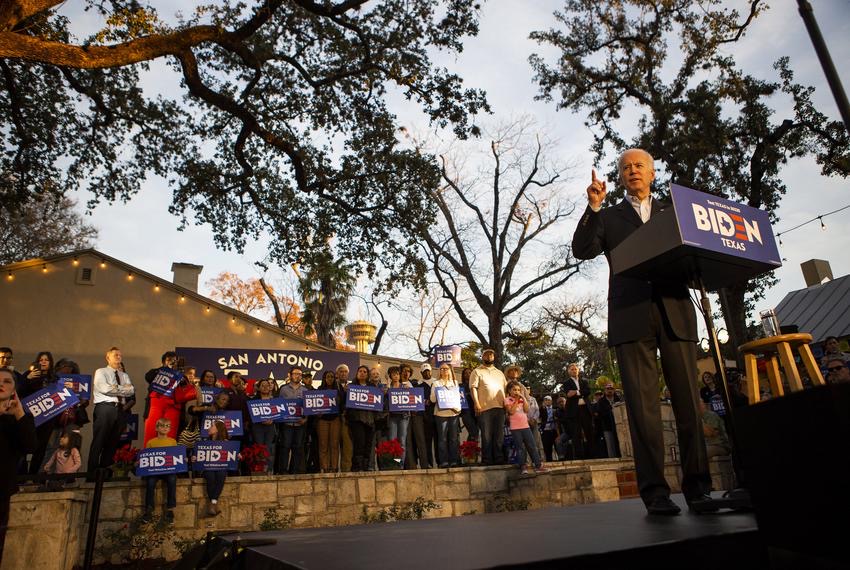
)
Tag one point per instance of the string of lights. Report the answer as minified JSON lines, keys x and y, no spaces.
{"x":819,"y":217}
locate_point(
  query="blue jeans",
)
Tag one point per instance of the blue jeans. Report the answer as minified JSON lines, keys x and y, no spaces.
{"x":215,"y":483}
{"x":447,"y":440}
{"x":397,"y":429}
{"x":265,"y":434}
{"x":492,"y":425}
{"x":170,"y":490}
{"x":524,"y":439}
{"x":291,"y":440}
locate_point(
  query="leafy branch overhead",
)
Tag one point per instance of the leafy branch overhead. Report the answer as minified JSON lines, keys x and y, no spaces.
{"x":282,"y":130}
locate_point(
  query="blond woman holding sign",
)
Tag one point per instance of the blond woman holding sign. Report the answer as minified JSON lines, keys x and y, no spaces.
{"x":446,"y":394}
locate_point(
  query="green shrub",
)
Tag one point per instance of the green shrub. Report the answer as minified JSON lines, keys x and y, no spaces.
{"x":411,"y":511}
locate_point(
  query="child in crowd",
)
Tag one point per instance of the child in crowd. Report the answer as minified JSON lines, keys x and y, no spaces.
{"x":517,"y":409}
{"x":66,"y":459}
{"x":163,"y":426}
{"x":215,"y":479}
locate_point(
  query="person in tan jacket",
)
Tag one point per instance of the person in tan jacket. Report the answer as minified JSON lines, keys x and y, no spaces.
{"x":487,"y":388}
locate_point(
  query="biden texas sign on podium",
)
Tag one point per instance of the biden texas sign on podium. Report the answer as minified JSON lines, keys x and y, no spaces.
{"x":701,"y":236}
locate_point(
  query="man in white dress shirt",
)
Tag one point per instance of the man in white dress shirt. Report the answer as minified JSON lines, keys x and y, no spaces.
{"x":111,"y":389}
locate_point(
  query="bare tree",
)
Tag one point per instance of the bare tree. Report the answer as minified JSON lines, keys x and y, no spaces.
{"x":500,"y":235}
{"x":434,"y":314}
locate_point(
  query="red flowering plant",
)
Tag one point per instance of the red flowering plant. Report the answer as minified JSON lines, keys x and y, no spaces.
{"x":256,"y":457}
{"x":389,"y":454}
{"x":124,"y":459}
{"x":469,"y":451}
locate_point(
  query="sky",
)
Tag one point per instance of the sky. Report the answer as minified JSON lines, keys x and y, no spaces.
{"x":143,"y":233}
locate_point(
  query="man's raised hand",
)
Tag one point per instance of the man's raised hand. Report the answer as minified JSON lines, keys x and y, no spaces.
{"x":596,"y":191}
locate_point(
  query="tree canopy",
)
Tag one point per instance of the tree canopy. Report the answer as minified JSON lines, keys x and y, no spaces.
{"x":659,"y":76}
{"x":283,"y":128}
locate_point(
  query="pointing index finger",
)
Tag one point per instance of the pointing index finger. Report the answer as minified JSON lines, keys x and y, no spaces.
{"x":593,"y":175}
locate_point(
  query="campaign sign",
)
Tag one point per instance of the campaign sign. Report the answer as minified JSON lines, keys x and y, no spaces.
{"x":216,"y":456}
{"x":131,"y":430}
{"x":165,"y":381}
{"x":406,"y":399}
{"x":448,"y":398}
{"x":318,"y":402}
{"x":232,"y":421}
{"x":720,"y":225}
{"x":263,"y":410}
{"x":365,"y":398}
{"x":79,"y":383}
{"x":161,"y":461}
{"x":208,"y":394}
{"x":292,"y":410}
{"x":447,"y":354}
{"x":49,"y":402}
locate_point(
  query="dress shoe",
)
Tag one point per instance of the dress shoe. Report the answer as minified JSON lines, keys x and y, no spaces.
{"x":703,"y":504}
{"x":663,"y":506}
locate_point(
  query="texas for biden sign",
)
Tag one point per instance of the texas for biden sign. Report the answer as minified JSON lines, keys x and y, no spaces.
{"x":406,"y":399}
{"x":79,"y":383}
{"x":232,"y":421}
{"x":161,"y":461}
{"x":320,"y":402}
{"x":720,"y":225}
{"x":49,"y":402}
{"x":365,"y":398}
{"x":267,"y":409}
{"x":165,"y":381}
{"x":216,"y":456}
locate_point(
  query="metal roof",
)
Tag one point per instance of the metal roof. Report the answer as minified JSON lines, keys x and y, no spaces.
{"x":820,"y":310}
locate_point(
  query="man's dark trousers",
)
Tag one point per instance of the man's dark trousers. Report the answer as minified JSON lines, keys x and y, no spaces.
{"x":637,"y":361}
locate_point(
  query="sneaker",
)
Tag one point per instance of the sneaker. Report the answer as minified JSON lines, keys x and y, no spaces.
{"x":524,"y":470}
{"x":212,"y":510}
{"x":169,"y":516}
{"x":217,"y":509}
{"x":541,"y":469}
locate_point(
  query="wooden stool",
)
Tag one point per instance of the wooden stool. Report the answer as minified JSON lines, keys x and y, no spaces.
{"x":781,"y":346}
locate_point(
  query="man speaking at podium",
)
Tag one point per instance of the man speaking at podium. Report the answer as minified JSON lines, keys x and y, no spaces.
{"x":643,"y":317}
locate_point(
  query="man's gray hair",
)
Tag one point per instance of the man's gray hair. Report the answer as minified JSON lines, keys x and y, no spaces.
{"x":649,"y":156}
{"x":342,"y":367}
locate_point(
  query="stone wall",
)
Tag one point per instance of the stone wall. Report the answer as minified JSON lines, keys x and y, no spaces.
{"x":48,"y":530}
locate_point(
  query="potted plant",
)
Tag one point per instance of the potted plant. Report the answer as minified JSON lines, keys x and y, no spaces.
{"x":256,"y":457}
{"x":124,"y":460}
{"x":389,"y":455}
{"x":469,"y":451}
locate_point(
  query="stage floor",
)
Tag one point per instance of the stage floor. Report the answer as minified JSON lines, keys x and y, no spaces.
{"x":599,"y":535}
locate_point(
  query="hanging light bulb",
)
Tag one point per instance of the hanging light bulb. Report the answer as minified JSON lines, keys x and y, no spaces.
{"x":156,"y":287}
{"x":76,"y":261}
{"x":129,"y":276}
{"x":822,"y":225}
{"x":44,"y":268}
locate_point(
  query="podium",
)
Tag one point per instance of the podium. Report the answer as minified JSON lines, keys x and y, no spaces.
{"x":705,"y":242}
{"x":699,"y":238}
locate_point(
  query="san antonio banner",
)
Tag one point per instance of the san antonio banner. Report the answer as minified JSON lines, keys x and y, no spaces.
{"x":266,"y":363}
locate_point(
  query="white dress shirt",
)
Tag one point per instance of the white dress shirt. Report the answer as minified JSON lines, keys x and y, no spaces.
{"x":643,"y":208}
{"x":106,"y":387}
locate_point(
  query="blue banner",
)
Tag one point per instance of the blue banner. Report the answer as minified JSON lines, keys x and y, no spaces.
{"x":448,"y":398}
{"x":165,"y":381}
{"x":79,"y":383}
{"x":216,"y":456}
{"x":318,"y":402}
{"x":161,"y":461}
{"x":447,"y":354}
{"x":208,"y":394}
{"x":724,"y":226}
{"x":406,"y":399}
{"x":267,"y":363}
{"x":49,"y":403}
{"x":292,"y":410}
{"x":232,"y":421}
{"x":263,"y":410}
{"x":365,"y":398}
{"x":464,"y":404}
{"x":131,"y":431}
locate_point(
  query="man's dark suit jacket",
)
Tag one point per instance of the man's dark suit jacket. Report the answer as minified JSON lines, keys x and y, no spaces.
{"x":571,"y":409}
{"x":629,"y":299}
